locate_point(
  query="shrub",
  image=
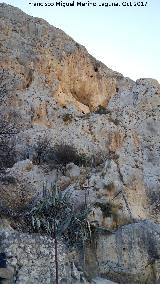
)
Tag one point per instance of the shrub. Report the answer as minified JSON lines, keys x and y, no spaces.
{"x":43,"y":153}
{"x":40,"y":150}
{"x":109,"y":208}
{"x":7,"y":152}
{"x":110,"y":187}
{"x":101,"y":110}
{"x":65,"y":154}
{"x":6,"y":179}
{"x":106,"y":208}
{"x":67,"y":117}
{"x":54,"y":215}
{"x":98,"y":159}
{"x":58,"y":155}
{"x":115,"y":121}
{"x":62,"y":154}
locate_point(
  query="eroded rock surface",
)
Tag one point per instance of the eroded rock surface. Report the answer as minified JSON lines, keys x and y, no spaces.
{"x":54,"y":93}
{"x":119,"y":254}
{"x":32,"y":259}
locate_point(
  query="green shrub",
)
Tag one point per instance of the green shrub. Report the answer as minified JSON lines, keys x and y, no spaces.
{"x":54,"y":215}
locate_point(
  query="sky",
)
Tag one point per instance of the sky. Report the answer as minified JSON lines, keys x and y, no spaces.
{"x":125,"y":38}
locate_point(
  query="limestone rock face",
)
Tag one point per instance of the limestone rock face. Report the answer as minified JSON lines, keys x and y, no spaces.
{"x":68,"y":119}
{"x":35,"y":54}
{"x":119,"y":253}
{"x":7,"y":275}
{"x":23,"y":183}
{"x":138,"y":158}
{"x":32,"y":260}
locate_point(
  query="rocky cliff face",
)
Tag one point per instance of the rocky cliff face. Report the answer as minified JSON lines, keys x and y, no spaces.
{"x":54,"y":95}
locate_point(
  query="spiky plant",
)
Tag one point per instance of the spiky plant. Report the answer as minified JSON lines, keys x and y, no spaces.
{"x":55,"y":216}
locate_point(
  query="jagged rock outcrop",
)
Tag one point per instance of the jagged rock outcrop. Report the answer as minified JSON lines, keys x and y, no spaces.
{"x":54,"y":93}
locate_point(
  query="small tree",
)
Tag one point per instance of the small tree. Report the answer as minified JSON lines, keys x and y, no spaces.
{"x":54,"y":215}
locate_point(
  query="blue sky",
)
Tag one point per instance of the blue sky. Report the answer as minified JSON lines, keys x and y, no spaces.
{"x":126,"y":39}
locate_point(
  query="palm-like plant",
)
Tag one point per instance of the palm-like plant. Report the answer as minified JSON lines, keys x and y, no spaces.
{"x":55,"y":216}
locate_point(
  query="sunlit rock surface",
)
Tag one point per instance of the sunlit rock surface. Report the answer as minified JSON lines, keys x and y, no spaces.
{"x":54,"y":93}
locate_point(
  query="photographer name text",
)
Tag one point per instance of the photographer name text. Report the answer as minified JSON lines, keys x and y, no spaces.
{"x":90,"y":4}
